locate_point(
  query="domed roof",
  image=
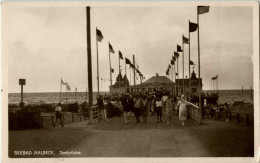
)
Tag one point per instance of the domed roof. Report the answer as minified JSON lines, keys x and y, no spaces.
{"x":158,"y":79}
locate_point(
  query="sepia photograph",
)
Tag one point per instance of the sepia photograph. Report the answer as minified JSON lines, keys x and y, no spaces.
{"x":144,"y":80}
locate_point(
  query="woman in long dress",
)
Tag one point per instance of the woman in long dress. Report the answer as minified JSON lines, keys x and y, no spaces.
{"x":183,"y":113}
{"x":169,"y":109}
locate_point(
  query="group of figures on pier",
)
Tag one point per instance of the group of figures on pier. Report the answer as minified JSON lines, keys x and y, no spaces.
{"x":159,"y":103}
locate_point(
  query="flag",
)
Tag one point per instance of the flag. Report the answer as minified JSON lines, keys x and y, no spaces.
{"x":120,"y":55}
{"x":172,"y":62}
{"x":173,"y":58}
{"x":68,"y":87}
{"x":127,"y":61}
{"x":132,"y":66}
{"x":169,"y":66}
{"x":203,"y":9}
{"x":112,"y":70}
{"x":167,"y":72}
{"x":176,"y":55}
{"x":62,"y":82}
{"x":193,"y":27}
{"x":179,"y":48}
{"x":138,"y":71}
{"x":99,"y":35}
{"x":176,"y":73}
{"x":191,"y":63}
{"x":185,"y":40}
{"x":214,"y":78}
{"x":111,"y":50}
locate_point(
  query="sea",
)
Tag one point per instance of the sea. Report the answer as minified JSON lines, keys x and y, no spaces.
{"x":228,"y":96}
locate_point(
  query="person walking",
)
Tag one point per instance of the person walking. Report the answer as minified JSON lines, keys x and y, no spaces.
{"x":182,"y":104}
{"x":164,"y":99}
{"x":145,"y":108}
{"x":58,"y":113}
{"x":125,"y":107}
{"x":169,"y":109}
{"x":158,"y":109}
{"x":138,"y":107}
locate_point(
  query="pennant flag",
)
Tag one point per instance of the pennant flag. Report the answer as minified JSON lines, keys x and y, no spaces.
{"x":127,"y":61}
{"x":179,"y":48}
{"x":185,"y":40}
{"x":176,"y":73}
{"x":191,"y":63}
{"x":63,"y":82}
{"x":112,"y":70}
{"x":68,"y":87}
{"x":167,"y":72}
{"x":193,"y":26}
{"x":214,"y":78}
{"x":120,"y":55}
{"x":176,"y":55}
{"x":173,"y":58}
{"x":111,"y":50}
{"x":203,"y":9}
{"x":172,"y":62}
{"x":99,"y":35}
{"x":132,"y":66}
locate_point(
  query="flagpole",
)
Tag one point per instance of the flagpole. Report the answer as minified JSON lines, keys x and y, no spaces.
{"x":189,"y":63}
{"x":199,"y":62}
{"x":119,"y":72}
{"x":134,"y":72}
{"x":125,"y":79}
{"x":90,"y":89}
{"x":97,"y":65}
{"x":183,"y":66}
{"x":130,"y":79}
{"x":75,"y":94}
{"x":110,"y":68}
{"x":174,"y":79}
{"x":60,"y":90}
{"x":178,"y":75}
{"x":66,"y":91}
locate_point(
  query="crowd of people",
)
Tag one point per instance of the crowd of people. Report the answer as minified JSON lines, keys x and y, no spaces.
{"x":159,"y":103}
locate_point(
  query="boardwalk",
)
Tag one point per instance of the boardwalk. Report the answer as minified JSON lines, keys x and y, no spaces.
{"x":117,"y":139}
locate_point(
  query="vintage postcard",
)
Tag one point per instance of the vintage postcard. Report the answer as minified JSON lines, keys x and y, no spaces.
{"x":130,"y":81}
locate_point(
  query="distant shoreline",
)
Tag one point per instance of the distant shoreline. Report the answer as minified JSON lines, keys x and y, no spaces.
{"x":108,"y":92}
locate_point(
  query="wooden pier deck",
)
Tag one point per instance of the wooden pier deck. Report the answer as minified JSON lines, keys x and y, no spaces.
{"x":117,"y":139}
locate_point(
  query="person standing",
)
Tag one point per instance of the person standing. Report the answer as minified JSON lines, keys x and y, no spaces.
{"x":58,"y":113}
{"x":158,"y":109}
{"x":102,"y":107}
{"x":169,"y":109}
{"x":182,"y":104}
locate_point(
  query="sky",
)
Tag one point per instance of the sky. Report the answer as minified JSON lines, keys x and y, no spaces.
{"x":45,"y":44}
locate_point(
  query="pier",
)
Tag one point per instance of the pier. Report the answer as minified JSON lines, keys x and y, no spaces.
{"x":114,"y":138}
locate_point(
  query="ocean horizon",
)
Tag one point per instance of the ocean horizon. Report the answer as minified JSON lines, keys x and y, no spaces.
{"x":228,"y":96}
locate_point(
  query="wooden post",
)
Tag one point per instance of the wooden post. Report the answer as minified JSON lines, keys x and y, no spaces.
{"x":89,"y":64}
{"x":22,"y":82}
